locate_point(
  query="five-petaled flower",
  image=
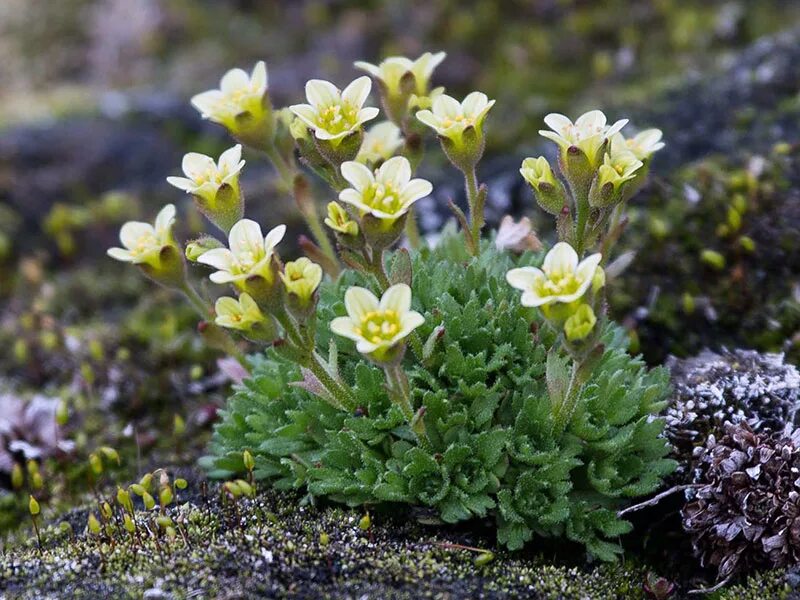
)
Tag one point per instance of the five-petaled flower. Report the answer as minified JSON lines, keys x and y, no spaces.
{"x":340,"y":221}
{"x":239,"y":314}
{"x":301,"y":279}
{"x":561,"y":279}
{"x":387,"y":193}
{"x":390,"y":71}
{"x":249,"y":254}
{"x":144,"y":242}
{"x":240,"y":104}
{"x":617,"y":168}
{"x":380,"y":143}
{"x":214,"y":185}
{"x":587,"y":133}
{"x":375,"y":325}
{"x":643,"y":145}
{"x":333,"y":115}
{"x":451,"y":118}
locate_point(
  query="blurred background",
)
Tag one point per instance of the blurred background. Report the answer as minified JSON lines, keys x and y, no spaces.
{"x":94,"y":114}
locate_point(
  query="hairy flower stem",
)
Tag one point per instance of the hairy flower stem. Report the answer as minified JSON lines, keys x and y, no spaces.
{"x":582,"y":216}
{"x":308,"y":357}
{"x":475,"y":209}
{"x":400,"y":391}
{"x":565,"y":410}
{"x":321,"y":370}
{"x":378,"y":269}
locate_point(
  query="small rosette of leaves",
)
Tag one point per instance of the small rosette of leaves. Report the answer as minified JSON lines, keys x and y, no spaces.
{"x":482,"y":379}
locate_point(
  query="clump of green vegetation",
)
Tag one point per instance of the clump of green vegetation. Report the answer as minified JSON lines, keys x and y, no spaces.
{"x":496,"y":447}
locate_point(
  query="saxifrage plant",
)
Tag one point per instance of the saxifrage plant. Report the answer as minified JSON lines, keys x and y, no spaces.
{"x":475,"y":377}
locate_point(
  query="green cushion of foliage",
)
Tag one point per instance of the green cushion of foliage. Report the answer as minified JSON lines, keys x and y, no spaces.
{"x":487,"y":414}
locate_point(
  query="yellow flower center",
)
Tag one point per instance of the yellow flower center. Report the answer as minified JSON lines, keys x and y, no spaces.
{"x":557,"y":284}
{"x":337,"y":118}
{"x":383,"y":197}
{"x":379,"y":326}
{"x":246,"y":258}
{"x":462,"y":120}
{"x":144,"y":244}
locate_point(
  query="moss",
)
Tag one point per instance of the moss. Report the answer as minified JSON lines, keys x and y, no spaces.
{"x":273,"y":546}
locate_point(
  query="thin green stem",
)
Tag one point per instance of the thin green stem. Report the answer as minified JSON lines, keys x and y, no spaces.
{"x":475,"y":211}
{"x":196,"y":300}
{"x":341,"y":393}
{"x":582,"y":205}
{"x":379,"y":270}
{"x":398,"y":384}
{"x":285,"y":170}
{"x":567,"y":408}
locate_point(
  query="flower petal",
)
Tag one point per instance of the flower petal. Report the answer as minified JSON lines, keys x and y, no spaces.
{"x":373,"y":70}
{"x":409,"y":322}
{"x":234,"y":80}
{"x":195,"y":165}
{"x":587,"y":267}
{"x":132,"y":231}
{"x":396,"y":171}
{"x":219,"y":258}
{"x":245,"y":236}
{"x":207,"y":102}
{"x":273,"y":238}
{"x":120,"y":254}
{"x":416,"y":189}
{"x":474,"y":103}
{"x":446,"y":107}
{"x":182,"y":183}
{"x":558,"y":123}
{"x":356,"y":93}
{"x":428,"y":118}
{"x":227,"y":306}
{"x":345,"y":327}
{"x":351,"y":196}
{"x":397,"y":298}
{"x":524,"y":278}
{"x":229,"y":160}
{"x":164,"y":220}
{"x":562,"y":258}
{"x":258,"y":79}
{"x":357,"y":175}
{"x":359,"y":301}
{"x":321,"y":93}
{"x":306,"y":113}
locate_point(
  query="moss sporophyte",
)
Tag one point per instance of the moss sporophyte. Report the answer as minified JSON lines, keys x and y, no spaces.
{"x":411,"y":375}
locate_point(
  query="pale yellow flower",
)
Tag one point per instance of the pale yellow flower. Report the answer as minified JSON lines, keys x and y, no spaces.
{"x":387,"y":193}
{"x":561,"y":279}
{"x":377,"y":325}
{"x":249,"y":253}
{"x":143,"y":242}
{"x":239,"y":314}
{"x":302,"y":278}
{"x":204,"y":177}
{"x":332,"y":114}
{"x":380,"y":143}
{"x":238,"y":93}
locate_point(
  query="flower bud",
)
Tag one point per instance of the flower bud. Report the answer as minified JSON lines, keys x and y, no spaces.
{"x":301,"y":278}
{"x":550,"y":192}
{"x":33,"y":506}
{"x":339,"y":220}
{"x":580,"y":324}
{"x":248,"y":460}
